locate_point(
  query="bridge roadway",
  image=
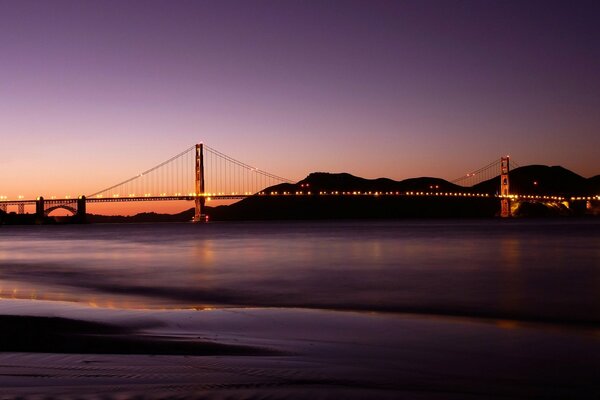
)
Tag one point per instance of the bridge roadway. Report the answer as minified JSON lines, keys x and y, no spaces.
{"x":236,"y":196}
{"x":217,"y":196}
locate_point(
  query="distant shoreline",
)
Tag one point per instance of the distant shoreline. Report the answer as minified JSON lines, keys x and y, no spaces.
{"x":436,"y":200}
{"x":337,"y":208}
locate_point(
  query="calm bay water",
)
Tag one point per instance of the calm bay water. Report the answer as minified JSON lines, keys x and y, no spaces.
{"x":520,"y":269}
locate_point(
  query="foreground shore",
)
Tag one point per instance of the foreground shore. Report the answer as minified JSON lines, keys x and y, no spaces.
{"x":60,"y":350}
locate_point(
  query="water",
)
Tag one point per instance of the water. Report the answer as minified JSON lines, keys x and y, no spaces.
{"x":532,"y":270}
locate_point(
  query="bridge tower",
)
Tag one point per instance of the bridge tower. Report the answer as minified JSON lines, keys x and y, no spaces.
{"x":81,"y":210}
{"x":504,"y":187}
{"x":39,"y":208}
{"x":199,"y":183}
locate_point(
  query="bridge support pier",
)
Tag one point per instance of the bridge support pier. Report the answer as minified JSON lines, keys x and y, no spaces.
{"x":80,"y":216}
{"x":505,"y":208}
{"x":3,"y":208}
{"x":40,"y":211}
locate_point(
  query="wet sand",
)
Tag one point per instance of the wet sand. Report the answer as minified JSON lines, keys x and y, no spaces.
{"x":60,"y":350}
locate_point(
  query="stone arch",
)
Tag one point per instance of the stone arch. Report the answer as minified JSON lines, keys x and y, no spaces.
{"x":72,"y":210}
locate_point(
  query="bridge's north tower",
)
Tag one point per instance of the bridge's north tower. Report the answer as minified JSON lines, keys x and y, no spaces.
{"x":504,"y":187}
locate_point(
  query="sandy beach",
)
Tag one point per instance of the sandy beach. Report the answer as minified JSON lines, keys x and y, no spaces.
{"x":59,"y":350}
{"x":345,"y":310}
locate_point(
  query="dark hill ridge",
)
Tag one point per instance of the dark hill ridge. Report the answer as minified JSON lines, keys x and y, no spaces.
{"x":594,"y":184}
{"x":532,"y":179}
{"x":542,"y":179}
{"x":344,"y":182}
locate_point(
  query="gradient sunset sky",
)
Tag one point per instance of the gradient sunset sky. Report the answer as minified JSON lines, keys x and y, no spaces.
{"x":93,"y":92}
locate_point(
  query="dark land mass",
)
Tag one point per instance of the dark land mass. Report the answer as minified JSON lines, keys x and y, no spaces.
{"x":344,"y":182}
{"x":183,"y":216}
{"x":594,"y":184}
{"x":532,"y":180}
{"x":355,"y":207}
{"x":542,"y":179}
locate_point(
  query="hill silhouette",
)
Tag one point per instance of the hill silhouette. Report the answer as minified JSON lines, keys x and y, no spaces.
{"x":533,"y":179}
{"x":594,"y":184}
{"x":324,"y":181}
{"x":542,"y":179}
{"x":344,"y":182}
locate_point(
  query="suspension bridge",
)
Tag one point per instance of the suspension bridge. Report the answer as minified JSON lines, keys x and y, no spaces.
{"x":201,"y":173}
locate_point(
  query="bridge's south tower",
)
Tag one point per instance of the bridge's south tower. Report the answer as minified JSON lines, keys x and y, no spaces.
{"x":199,"y":183}
{"x":504,"y":188}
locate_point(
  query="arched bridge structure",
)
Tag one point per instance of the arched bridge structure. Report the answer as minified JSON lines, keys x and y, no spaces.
{"x":77,"y":207}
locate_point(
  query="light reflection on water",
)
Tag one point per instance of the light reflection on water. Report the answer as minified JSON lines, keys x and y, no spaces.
{"x":547,"y":270}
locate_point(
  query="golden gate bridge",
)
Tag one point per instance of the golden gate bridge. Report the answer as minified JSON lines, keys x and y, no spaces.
{"x":201,"y":173}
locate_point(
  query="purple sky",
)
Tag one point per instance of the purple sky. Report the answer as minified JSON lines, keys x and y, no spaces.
{"x":92,"y":92}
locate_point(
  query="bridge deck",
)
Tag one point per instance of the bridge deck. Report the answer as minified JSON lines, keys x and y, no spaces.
{"x":283,"y":194}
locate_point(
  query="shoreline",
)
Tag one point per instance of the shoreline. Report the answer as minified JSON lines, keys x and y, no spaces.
{"x":296,"y":353}
{"x":516,"y":320}
{"x":28,"y":219}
